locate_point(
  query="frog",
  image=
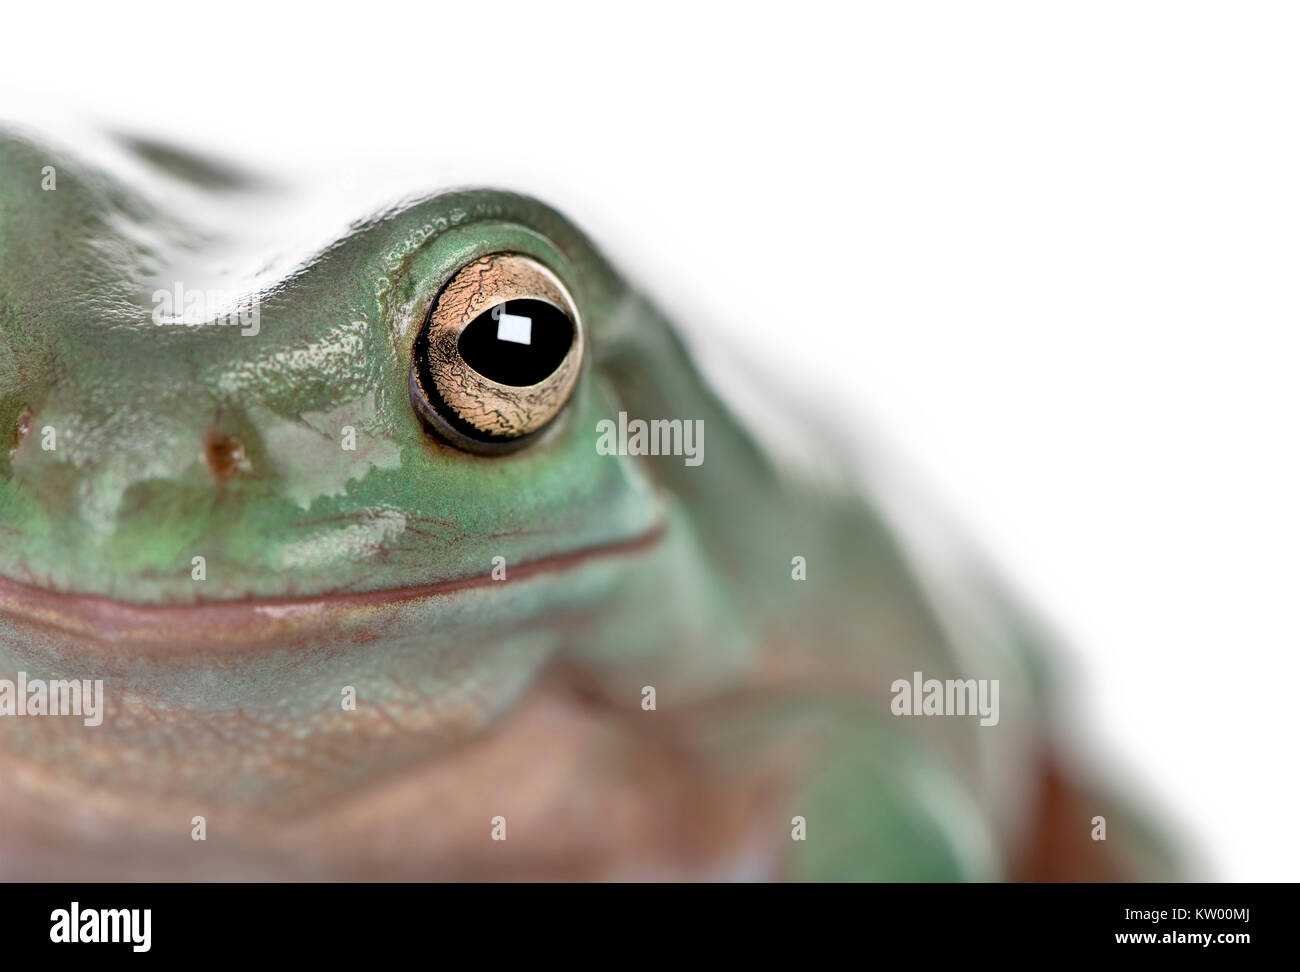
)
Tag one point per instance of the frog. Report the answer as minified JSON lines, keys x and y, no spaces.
{"x":417,"y":544}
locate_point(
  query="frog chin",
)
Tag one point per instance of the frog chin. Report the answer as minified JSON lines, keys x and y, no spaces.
{"x":242,"y":626}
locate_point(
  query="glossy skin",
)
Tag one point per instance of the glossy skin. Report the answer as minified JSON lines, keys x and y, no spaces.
{"x":371,"y":568}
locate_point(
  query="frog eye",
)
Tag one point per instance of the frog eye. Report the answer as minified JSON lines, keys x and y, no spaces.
{"x":498,"y":355}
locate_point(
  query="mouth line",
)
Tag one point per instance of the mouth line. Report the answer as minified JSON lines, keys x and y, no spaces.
{"x":98,"y":618}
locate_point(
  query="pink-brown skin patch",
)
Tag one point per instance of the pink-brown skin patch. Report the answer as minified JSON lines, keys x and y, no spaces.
{"x":598,"y":800}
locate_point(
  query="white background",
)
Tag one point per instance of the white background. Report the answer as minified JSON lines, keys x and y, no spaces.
{"x":1050,"y":250}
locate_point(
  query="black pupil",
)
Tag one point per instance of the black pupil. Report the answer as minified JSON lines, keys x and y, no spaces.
{"x":520,"y":342}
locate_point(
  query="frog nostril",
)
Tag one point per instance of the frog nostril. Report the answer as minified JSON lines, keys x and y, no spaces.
{"x":23,"y":426}
{"x":225,"y":455}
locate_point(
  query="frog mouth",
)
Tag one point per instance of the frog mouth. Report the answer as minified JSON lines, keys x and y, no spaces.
{"x":247,"y":625}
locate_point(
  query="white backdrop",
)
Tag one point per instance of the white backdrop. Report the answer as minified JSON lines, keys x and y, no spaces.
{"x":1055,"y":249}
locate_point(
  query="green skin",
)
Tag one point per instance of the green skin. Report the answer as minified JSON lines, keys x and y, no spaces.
{"x":371,"y":568}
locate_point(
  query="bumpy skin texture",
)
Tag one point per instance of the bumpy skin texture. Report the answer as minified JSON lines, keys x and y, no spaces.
{"x":328,"y":568}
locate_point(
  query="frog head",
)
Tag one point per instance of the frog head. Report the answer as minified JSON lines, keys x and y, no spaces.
{"x":244,"y":479}
{"x":162,"y":401}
